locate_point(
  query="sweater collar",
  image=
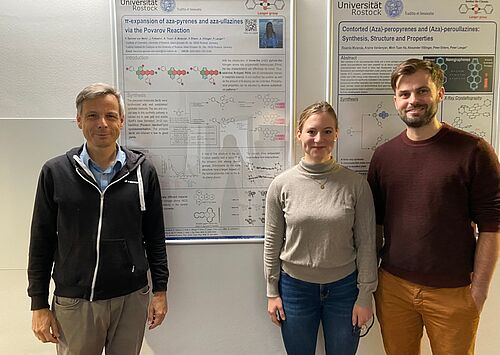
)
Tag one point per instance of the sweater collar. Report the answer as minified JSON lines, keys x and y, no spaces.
{"x":445,"y":128}
{"x":317,"y":168}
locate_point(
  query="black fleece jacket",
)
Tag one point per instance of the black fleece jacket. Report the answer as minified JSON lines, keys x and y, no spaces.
{"x":97,"y":245}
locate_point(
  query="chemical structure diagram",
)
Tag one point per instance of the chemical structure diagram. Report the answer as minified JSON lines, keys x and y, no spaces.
{"x":475,"y":8}
{"x":471,"y":113}
{"x":222,"y":100}
{"x":474,"y":79}
{"x":379,"y":115}
{"x":270,"y":102}
{"x":459,"y":123}
{"x":175,"y":74}
{"x":207,"y":74}
{"x":224,"y":121}
{"x":269,"y":133}
{"x":265,"y":4}
{"x":256,"y":205}
{"x":208,"y":215}
{"x":373,"y":130}
{"x":256,"y":172}
{"x":179,"y":112}
{"x":444,"y":67}
{"x":269,"y":117}
{"x":178,"y":116}
{"x":142,"y":74}
{"x":201,"y":197}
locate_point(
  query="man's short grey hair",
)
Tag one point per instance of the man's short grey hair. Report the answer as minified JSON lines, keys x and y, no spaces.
{"x":95,"y":90}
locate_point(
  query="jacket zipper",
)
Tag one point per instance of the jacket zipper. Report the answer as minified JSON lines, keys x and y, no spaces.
{"x":99,"y":226}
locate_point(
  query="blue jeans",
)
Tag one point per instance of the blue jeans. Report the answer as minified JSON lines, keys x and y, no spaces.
{"x":306,"y":304}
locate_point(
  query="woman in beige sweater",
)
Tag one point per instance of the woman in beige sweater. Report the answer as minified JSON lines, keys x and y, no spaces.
{"x":319,"y":251}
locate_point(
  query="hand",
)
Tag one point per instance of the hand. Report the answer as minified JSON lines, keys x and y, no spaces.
{"x":275,"y":307}
{"x":44,"y":325}
{"x":478,"y":296}
{"x":157,"y":310}
{"x":361,"y":315}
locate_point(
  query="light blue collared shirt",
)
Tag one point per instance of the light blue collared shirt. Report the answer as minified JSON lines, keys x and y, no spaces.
{"x":103,"y":177}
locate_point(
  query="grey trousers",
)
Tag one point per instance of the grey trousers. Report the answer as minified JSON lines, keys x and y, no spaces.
{"x":116,"y":325}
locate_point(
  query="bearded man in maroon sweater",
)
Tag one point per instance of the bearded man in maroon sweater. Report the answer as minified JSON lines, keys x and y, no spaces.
{"x":433,"y":185}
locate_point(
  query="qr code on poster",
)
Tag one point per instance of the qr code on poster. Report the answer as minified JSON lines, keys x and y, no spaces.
{"x":250,"y":25}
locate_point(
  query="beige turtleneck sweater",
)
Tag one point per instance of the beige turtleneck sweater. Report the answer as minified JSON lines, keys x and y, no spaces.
{"x":320,"y":235}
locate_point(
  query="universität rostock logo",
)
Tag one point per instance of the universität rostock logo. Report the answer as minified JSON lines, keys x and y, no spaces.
{"x":393,"y":8}
{"x":167,"y":5}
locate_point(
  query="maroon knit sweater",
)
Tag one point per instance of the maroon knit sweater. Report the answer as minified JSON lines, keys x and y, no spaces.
{"x":426,"y":195}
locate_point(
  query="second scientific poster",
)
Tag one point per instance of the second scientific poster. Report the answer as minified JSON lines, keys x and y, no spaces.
{"x":369,"y":38}
{"x":207,"y":89}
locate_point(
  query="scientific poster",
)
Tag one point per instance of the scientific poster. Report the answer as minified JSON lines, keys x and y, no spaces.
{"x":369,"y":38}
{"x":208,"y":96}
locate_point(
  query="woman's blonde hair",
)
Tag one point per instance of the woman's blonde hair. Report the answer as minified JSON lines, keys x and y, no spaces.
{"x":317,"y":107}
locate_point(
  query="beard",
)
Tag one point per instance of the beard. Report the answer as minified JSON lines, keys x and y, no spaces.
{"x":423,"y":119}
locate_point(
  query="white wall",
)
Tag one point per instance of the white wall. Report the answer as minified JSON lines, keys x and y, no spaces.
{"x":52,"y":49}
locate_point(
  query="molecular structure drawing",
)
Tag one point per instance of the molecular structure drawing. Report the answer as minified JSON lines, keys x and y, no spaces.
{"x":474,"y":67}
{"x":458,"y":122}
{"x":379,"y":115}
{"x":208,"y":215}
{"x":265,"y":4}
{"x":142,"y":74}
{"x":269,"y":133}
{"x":256,"y":172}
{"x":444,"y":67}
{"x":270,"y":102}
{"x":269,"y":117}
{"x":471,"y":113}
{"x":474,"y":111}
{"x":179,"y":112}
{"x":263,"y":194}
{"x":207,"y":74}
{"x":175,"y":74}
{"x":222,"y":101}
{"x":474,"y":79}
{"x":201,"y":197}
{"x":256,"y":207}
{"x":224,"y":121}
{"x":475,"y":8}
{"x":375,"y":128}
{"x":378,"y":140}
